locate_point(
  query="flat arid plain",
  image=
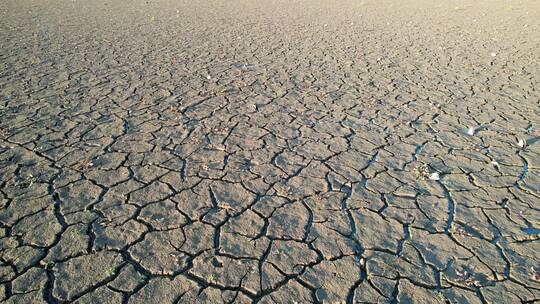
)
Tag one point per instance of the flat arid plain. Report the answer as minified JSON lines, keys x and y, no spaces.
{"x":246,"y":151}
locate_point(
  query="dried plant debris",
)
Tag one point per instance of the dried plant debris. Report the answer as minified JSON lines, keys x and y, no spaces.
{"x":83,"y":165}
{"x":4,"y":133}
{"x":421,"y":171}
{"x":25,"y":181}
{"x":466,"y":278}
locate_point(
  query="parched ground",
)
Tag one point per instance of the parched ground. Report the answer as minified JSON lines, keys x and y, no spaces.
{"x":366,"y":151}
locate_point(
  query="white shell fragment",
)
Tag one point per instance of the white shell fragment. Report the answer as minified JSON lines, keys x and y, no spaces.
{"x":434,"y":176}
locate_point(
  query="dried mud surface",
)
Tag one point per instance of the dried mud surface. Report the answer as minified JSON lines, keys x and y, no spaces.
{"x":276,"y":151}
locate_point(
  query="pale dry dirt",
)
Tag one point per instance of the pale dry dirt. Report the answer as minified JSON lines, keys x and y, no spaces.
{"x":271,"y":151}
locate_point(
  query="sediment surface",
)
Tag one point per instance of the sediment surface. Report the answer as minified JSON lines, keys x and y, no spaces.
{"x":272,"y":151}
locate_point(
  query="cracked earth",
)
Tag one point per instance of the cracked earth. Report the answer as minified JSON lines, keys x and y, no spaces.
{"x":276,"y":151}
